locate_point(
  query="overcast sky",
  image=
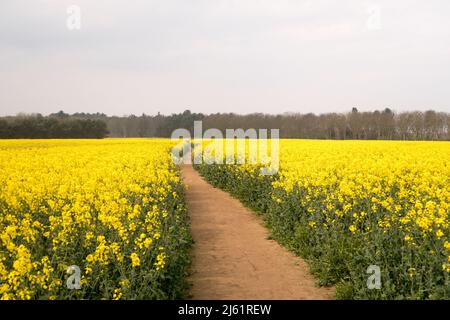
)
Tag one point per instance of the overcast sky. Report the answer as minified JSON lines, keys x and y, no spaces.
{"x":132,"y":56}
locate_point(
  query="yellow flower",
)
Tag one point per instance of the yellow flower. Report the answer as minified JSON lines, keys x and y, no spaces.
{"x":117,"y":294}
{"x":98,"y":199}
{"x":160,"y":261}
{"x":148,"y":242}
{"x":446,"y":267}
{"x":23,"y":262}
{"x":447,"y":245}
{"x":135,"y":261}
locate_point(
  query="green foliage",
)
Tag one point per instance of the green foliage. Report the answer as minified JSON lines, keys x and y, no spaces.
{"x":39,"y":127}
{"x":336,"y":256}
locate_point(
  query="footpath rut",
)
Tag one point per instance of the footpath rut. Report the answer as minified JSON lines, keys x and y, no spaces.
{"x":232,"y":255}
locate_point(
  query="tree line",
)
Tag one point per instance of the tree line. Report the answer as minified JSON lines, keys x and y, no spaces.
{"x":39,"y":127}
{"x":376,"y":125}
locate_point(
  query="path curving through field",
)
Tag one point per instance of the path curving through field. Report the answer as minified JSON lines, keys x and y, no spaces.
{"x":232,"y":256}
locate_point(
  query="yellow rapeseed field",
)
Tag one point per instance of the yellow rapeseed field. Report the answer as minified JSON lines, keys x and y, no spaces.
{"x":347,"y":205}
{"x":113,"y":208}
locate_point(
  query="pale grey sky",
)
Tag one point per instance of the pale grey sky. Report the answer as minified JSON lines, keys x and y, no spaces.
{"x":224,"y":56}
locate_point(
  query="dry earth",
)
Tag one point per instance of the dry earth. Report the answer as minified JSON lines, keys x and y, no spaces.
{"x":232,"y":255}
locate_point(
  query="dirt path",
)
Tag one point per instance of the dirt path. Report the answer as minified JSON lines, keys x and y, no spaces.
{"x":232,"y":257}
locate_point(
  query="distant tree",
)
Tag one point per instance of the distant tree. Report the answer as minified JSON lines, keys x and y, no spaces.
{"x":60,"y":114}
{"x":385,"y":124}
{"x":38,"y":127}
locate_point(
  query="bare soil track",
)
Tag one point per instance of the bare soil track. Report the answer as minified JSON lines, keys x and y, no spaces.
{"x":232,"y":255}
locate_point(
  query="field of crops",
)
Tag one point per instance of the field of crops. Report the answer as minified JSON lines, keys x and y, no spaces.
{"x":113,"y":208}
{"x":348,"y":205}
